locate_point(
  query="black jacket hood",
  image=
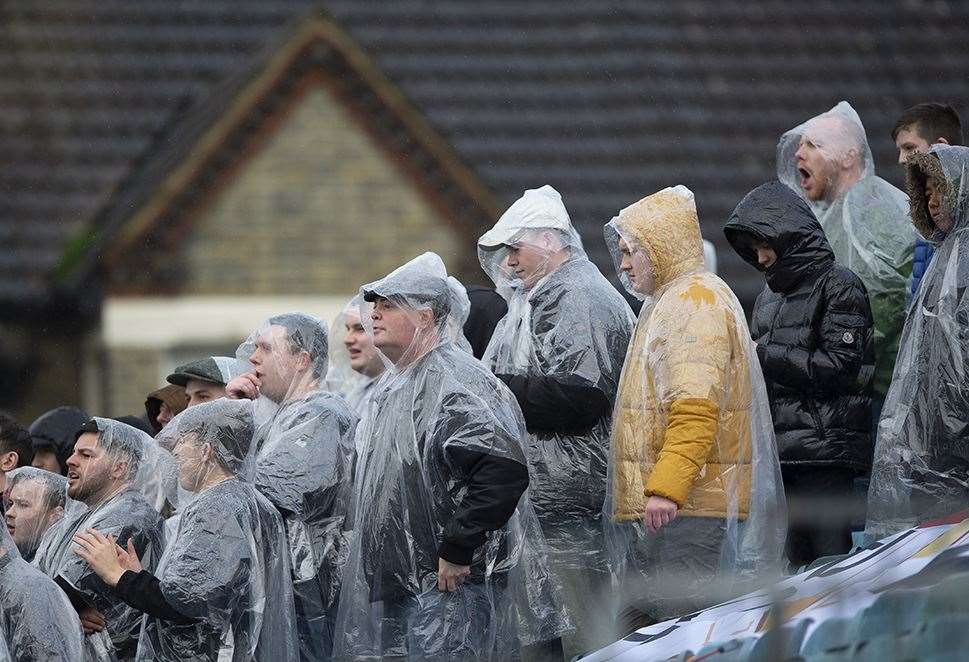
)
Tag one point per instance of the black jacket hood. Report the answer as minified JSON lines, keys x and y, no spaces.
{"x":777,"y":216}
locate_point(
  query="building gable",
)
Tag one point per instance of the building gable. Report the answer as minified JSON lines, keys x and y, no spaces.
{"x":258,"y":153}
{"x":320,"y":209}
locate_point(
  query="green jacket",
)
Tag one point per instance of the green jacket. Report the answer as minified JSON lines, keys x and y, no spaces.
{"x":871,"y":234}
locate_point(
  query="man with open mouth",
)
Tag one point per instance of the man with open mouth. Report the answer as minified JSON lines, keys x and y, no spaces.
{"x":828,"y":162}
{"x":103,"y":477}
{"x":35,"y":503}
{"x":36,"y":618}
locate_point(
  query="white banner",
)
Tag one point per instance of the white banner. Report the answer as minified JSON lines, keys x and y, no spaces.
{"x":911,"y":559}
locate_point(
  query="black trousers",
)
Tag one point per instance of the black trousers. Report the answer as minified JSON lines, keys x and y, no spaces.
{"x":821,"y":505}
{"x":671,"y":573}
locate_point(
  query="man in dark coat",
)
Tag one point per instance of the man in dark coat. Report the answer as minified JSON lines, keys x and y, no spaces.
{"x":487,"y":309}
{"x":813,"y":328}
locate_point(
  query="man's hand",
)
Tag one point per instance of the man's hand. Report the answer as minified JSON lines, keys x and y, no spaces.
{"x":243,"y":387}
{"x":659,"y":511}
{"x":450,"y":576}
{"x":91,"y":620}
{"x":101,"y":553}
{"x":128,"y":558}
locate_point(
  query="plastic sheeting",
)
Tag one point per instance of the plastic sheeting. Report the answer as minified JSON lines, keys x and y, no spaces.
{"x":304,"y":463}
{"x":921,"y":463}
{"x":566,"y":333}
{"x":692,"y":423}
{"x":828,"y":162}
{"x":105,"y":473}
{"x":37,"y":621}
{"x":226,"y":564}
{"x":438,"y":424}
{"x":157,"y":476}
{"x":35,"y":501}
{"x":230,"y":367}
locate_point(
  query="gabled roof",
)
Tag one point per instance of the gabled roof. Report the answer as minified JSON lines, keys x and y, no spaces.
{"x":606,"y":100}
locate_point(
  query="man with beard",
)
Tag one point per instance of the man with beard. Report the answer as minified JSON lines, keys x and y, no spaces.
{"x":827,"y":162}
{"x":102,"y":475}
{"x":222,"y":588}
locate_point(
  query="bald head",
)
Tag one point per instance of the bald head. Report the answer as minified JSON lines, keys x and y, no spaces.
{"x":831,"y":157}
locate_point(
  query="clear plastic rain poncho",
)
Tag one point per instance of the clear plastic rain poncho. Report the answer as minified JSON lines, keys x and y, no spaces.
{"x":354,"y":362}
{"x":560,"y":348}
{"x":104,"y":475}
{"x":441,"y":475}
{"x":37,"y":621}
{"x":158,"y":476}
{"x":827,"y":161}
{"x":921,"y":463}
{"x":35,"y":501}
{"x":230,"y":367}
{"x":692,"y":423}
{"x":226,"y":568}
{"x":304,"y":463}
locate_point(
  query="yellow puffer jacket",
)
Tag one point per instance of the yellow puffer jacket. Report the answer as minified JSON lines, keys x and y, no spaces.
{"x":681,"y":428}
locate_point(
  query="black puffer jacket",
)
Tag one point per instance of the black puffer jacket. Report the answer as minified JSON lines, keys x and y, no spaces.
{"x":813,"y":329}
